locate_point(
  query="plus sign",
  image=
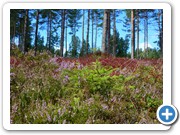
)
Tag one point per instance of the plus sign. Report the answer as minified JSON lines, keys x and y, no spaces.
{"x":167,"y":114}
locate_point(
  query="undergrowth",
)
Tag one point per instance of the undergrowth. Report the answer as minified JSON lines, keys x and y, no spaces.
{"x":92,"y":90}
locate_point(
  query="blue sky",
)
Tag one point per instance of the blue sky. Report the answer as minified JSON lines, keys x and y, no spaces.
{"x":152,"y":33}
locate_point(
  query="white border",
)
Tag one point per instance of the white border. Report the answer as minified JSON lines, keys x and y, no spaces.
{"x":6,"y":64}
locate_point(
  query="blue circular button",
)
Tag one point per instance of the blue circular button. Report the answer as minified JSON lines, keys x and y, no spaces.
{"x":167,"y":114}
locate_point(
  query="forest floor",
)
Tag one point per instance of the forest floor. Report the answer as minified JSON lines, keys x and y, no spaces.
{"x":88,"y":90}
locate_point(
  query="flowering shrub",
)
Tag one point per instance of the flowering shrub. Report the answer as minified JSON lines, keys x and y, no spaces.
{"x":92,"y":90}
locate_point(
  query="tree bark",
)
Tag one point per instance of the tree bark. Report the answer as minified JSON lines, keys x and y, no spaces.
{"x":104,"y":31}
{"x":25,"y":31}
{"x":114,"y":33}
{"x":50,"y":24}
{"x":108,"y":32}
{"x":83,"y":35}
{"x":87,"y":36}
{"x":137,"y":15}
{"x":47,"y":42}
{"x":66,"y":36}
{"x":92,"y":19}
{"x":96,"y":31}
{"x":36,"y":32}
{"x":146,"y":33}
{"x":132,"y":34}
{"x":161,"y":31}
{"x":62,"y":32}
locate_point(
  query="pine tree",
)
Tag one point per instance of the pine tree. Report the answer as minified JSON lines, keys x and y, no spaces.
{"x":92,"y":24}
{"x":138,"y":22}
{"x":82,"y":42}
{"x":98,"y":23}
{"x":66,"y":38}
{"x":74,"y":15}
{"x":36,"y":32}
{"x":87,"y":35}
{"x":132,"y":34}
{"x":108,"y":31}
{"x":63,"y":11}
{"x":104,"y":30}
{"x":13,"y":25}
{"x":160,"y":29}
{"x":114,"y":32}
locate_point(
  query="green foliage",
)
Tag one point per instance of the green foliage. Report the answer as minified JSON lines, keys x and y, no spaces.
{"x":122,"y":45}
{"x":149,"y":53}
{"x":74,"y":15}
{"x":74,"y":46}
{"x":45,"y":92}
{"x":99,"y":79}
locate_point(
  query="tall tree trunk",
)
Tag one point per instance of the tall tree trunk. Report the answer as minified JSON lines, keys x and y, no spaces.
{"x":25,"y":31}
{"x":83,"y":35}
{"x":146,"y":33}
{"x":96,"y":31}
{"x":21,"y":33}
{"x":62,"y":32}
{"x":108,"y":31}
{"x":87,"y":36}
{"x":66,"y":36}
{"x":137,"y":15}
{"x":160,"y":23}
{"x":104,"y":31}
{"x":47,"y":42}
{"x":50,"y":27}
{"x":114,"y":33}
{"x":132,"y":34}
{"x":36,"y":32}
{"x":92,"y":19}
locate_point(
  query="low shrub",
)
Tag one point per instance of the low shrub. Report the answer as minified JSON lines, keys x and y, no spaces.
{"x":70,"y":91}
